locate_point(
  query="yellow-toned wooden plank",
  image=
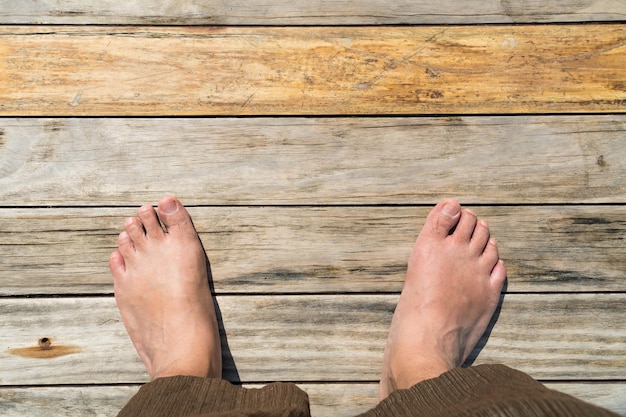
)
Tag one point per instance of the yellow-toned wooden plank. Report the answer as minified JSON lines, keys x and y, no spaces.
{"x":278,"y":161}
{"x":312,"y":250}
{"x":312,"y":70}
{"x":327,"y":399}
{"x":307,"y":12}
{"x":314,"y":338}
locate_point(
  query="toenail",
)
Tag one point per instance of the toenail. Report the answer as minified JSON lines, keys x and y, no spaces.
{"x":451,"y":210}
{"x":169,"y":206}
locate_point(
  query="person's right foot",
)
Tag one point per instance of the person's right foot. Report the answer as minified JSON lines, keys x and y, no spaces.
{"x":451,"y":291}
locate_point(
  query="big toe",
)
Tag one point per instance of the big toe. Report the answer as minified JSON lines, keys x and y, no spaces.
{"x":175,"y":217}
{"x":443,"y":218}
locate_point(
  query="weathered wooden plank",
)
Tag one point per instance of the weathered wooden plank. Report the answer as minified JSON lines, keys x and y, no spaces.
{"x":313,"y":338}
{"x":609,"y":396}
{"x":327,"y":400}
{"x":301,"y":12}
{"x":313,"y":250}
{"x":155,"y":71}
{"x":491,"y":159}
{"x":64,"y":401}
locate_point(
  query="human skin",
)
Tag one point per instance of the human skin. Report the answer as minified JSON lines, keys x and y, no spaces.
{"x":162,"y":291}
{"x":452,"y":289}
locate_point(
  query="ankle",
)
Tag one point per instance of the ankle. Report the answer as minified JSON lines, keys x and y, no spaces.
{"x":420,"y":369}
{"x":197,"y":369}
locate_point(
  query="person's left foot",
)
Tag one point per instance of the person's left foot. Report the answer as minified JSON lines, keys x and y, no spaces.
{"x":162,"y":290}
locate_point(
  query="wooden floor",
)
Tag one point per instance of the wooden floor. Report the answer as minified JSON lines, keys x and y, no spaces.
{"x":309,"y":140}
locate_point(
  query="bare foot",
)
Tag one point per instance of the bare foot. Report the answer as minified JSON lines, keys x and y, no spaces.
{"x":162,"y":291}
{"x":451,"y":291}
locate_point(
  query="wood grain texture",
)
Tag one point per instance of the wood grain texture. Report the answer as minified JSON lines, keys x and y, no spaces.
{"x":64,"y":401}
{"x":327,"y":400}
{"x":609,"y":396}
{"x":316,"y":338}
{"x":278,"y":161}
{"x":302,"y":12}
{"x":315,"y":250}
{"x":152,"y":71}
{"x":309,"y":221}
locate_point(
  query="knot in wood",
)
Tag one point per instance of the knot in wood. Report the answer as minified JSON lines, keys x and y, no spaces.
{"x":45,"y":343}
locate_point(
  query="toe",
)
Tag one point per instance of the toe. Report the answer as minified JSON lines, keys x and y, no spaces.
{"x":490,"y":255}
{"x":150,"y":221}
{"x":134,"y":229}
{"x":175,"y":217}
{"x":116,"y":264}
{"x":125,"y":245}
{"x":466,"y":226}
{"x":443,"y":218}
{"x":480,"y":237}
{"x":498,"y":275}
